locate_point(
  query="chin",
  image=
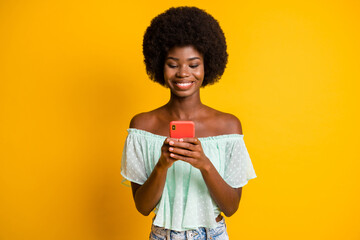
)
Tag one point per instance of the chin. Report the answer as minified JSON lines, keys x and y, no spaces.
{"x":183,"y":94}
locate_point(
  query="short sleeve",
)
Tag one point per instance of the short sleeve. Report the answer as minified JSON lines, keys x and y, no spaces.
{"x":238,"y":166}
{"x":132,"y":162}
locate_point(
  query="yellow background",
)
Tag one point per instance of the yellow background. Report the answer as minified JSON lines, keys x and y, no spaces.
{"x":72,"y":76}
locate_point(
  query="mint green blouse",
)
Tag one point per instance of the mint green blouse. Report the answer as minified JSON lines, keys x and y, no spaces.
{"x":185,"y":202}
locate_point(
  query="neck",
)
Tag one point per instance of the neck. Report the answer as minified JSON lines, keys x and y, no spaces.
{"x":184,"y":108}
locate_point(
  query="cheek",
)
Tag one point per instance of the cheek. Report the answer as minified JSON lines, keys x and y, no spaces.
{"x":168,"y":72}
{"x":199,"y":73}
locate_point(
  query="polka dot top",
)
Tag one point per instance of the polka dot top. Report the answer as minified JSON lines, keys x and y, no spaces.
{"x":186,"y":202}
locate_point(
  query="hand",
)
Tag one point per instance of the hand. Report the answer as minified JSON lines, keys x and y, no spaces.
{"x":165,"y":160}
{"x":189,"y":150}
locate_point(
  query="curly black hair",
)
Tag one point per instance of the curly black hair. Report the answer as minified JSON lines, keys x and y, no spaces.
{"x":183,"y":26}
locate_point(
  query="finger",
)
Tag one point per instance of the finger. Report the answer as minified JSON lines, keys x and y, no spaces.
{"x":168,"y":140}
{"x":195,"y":141}
{"x":184,"y":145}
{"x":182,"y":158}
{"x":183,"y":152}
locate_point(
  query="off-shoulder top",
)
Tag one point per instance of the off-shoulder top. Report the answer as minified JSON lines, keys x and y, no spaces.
{"x":186,"y":202}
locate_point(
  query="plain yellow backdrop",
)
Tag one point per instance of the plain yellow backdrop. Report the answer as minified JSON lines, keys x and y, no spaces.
{"x":72,"y":76}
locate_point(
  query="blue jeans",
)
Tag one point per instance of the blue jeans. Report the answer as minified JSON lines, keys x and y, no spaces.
{"x":217,"y":233}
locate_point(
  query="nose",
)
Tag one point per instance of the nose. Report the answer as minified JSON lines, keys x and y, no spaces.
{"x":182,"y":72}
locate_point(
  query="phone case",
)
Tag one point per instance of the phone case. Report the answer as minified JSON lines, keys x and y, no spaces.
{"x":182,"y":129}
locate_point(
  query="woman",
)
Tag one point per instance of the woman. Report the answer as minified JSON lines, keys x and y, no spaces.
{"x":186,"y":182}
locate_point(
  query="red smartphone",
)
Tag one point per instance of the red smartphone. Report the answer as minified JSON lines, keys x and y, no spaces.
{"x":182,"y":129}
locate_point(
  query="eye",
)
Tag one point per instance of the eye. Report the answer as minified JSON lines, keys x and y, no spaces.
{"x":171,"y":66}
{"x":194,"y":66}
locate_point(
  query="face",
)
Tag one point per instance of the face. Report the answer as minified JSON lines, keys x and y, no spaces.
{"x":184,"y":70}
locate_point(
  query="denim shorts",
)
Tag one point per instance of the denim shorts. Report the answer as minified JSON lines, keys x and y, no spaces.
{"x":217,"y":233}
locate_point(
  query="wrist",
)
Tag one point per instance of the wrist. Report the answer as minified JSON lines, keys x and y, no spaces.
{"x":207,"y":167}
{"x":161,"y":167}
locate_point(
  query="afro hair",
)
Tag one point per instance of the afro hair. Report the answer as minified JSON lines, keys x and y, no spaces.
{"x":183,"y":26}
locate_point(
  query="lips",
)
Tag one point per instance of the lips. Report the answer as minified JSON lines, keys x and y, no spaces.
{"x":183,"y":85}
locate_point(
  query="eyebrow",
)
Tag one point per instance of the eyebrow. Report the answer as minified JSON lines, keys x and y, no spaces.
{"x":189,"y":59}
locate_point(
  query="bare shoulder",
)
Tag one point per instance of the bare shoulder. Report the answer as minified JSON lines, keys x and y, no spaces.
{"x":230,"y":123}
{"x":226,"y":123}
{"x":142,"y":121}
{"x":149,"y":121}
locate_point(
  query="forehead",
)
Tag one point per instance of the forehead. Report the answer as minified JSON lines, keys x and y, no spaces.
{"x":184,"y":52}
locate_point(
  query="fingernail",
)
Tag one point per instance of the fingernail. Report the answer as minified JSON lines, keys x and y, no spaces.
{"x":170,"y":149}
{"x":171,"y":142}
{"x":181,"y":140}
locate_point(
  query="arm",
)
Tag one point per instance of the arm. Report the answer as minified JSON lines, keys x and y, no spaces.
{"x":226,"y":197}
{"x":146,"y":196}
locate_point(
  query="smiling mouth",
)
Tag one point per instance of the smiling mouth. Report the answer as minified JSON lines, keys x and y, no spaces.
{"x":183,"y":84}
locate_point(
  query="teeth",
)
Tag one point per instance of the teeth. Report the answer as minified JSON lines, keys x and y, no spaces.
{"x":183,"y":84}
